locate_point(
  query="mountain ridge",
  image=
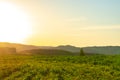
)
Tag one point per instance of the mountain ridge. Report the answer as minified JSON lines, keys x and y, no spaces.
{"x":70,"y":48}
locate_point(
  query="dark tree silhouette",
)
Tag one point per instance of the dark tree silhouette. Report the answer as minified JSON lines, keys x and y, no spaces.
{"x":82,"y":52}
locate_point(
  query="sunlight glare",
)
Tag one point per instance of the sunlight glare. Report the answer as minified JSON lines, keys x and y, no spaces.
{"x":15,"y":25}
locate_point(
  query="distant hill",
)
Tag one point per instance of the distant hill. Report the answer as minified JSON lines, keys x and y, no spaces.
{"x":69,"y":48}
{"x":103,"y":50}
{"x":92,"y":50}
{"x":6,"y":50}
{"x":47,"y":52}
{"x":19,"y":47}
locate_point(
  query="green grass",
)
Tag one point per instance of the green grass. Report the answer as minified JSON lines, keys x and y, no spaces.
{"x":36,"y":67}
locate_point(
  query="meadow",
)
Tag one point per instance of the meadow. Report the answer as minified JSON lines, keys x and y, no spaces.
{"x":36,"y":67}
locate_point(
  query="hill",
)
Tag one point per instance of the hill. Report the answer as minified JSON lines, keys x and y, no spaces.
{"x":69,"y":48}
{"x":103,"y":50}
{"x":6,"y":50}
{"x":47,"y":52}
{"x":19,"y":47}
{"x":92,"y":50}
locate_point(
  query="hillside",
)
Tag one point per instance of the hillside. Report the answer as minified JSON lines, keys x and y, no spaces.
{"x":103,"y":50}
{"x":69,"y":48}
{"x":47,"y":52}
{"x":92,"y":50}
{"x":19,"y":47}
{"x":6,"y":50}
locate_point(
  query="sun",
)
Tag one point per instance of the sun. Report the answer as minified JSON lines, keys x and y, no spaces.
{"x":15,"y":25}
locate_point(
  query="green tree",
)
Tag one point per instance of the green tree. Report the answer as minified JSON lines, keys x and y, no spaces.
{"x":82,"y":52}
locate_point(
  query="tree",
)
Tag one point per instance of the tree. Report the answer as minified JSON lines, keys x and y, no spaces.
{"x":82,"y":52}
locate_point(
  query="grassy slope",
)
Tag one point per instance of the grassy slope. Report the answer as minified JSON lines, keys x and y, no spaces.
{"x":21,"y":67}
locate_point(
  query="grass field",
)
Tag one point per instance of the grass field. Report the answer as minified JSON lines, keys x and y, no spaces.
{"x":36,"y":67}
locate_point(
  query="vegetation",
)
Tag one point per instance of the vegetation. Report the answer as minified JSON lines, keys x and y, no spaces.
{"x":36,"y":67}
{"x":82,"y":52}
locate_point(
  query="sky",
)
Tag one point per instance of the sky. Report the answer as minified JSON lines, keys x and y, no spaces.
{"x":72,"y":22}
